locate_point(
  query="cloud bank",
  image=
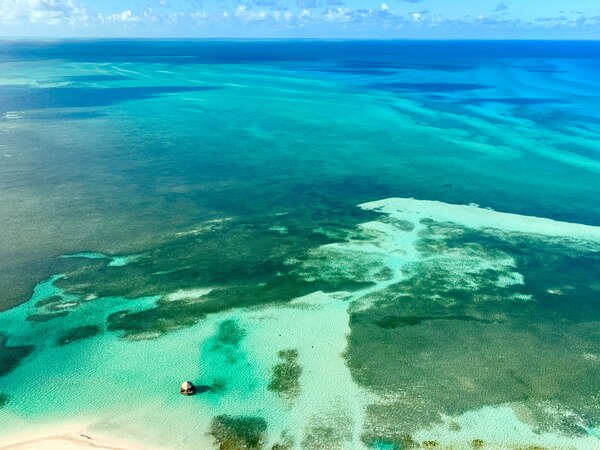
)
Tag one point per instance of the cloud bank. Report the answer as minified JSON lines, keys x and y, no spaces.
{"x":283,"y":18}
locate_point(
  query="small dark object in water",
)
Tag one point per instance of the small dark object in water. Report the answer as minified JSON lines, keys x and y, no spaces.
{"x":187,"y":388}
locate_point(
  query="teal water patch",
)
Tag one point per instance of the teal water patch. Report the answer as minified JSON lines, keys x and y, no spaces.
{"x":384,"y":445}
{"x":54,"y":317}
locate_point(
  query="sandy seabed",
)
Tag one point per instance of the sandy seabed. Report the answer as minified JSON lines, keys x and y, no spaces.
{"x":64,"y":438}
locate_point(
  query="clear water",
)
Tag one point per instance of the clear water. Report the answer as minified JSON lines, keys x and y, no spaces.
{"x":205,"y":195}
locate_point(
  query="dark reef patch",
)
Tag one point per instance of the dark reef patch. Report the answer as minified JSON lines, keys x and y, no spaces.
{"x":78,"y":333}
{"x":239,"y":432}
{"x":227,"y":339}
{"x":402,"y":225}
{"x":389,"y":322}
{"x":286,"y":443}
{"x":229,"y":333}
{"x":45,"y":317}
{"x":164,"y":318}
{"x":11,"y":357}
{"x":285,"y":379}
{"x":50,"y":301}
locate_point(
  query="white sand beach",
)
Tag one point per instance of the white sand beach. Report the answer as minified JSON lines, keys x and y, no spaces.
{"x":64,"y":438}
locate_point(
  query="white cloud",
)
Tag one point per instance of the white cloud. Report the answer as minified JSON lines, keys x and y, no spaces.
{"x":124,"y":16}
{"x":263,"y":15}
{"x":245,"y":14}
{"x":282,"y":16}
{"x":48,"y":12}
{"x":340,"y":15}
{"x":198,"y":15}
{"x":304,"y":13}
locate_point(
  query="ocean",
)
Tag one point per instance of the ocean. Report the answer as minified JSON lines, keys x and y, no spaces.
{"x":343,"y":244}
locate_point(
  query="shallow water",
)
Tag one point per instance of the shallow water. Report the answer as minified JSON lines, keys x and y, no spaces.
{"x":188,"y":210}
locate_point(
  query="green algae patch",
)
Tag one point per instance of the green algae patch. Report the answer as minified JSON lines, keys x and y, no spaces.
{"x":239,"y":432}
{"x":4,"y":399}
{"x":285,"y":379}
{"x":77,"y":334}
{"x":11,"y":357}
{"x":477,"y":443}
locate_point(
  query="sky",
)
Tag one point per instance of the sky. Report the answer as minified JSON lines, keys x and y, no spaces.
{"x":336,"y":19}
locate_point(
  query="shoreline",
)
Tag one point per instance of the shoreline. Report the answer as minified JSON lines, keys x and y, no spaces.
{"x":65,"y":438}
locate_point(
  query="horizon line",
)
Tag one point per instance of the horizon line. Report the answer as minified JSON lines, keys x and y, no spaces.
{"x":333,"y":39}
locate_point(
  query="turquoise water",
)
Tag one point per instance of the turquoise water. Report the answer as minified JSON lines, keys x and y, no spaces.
{"x":189,"y":210}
